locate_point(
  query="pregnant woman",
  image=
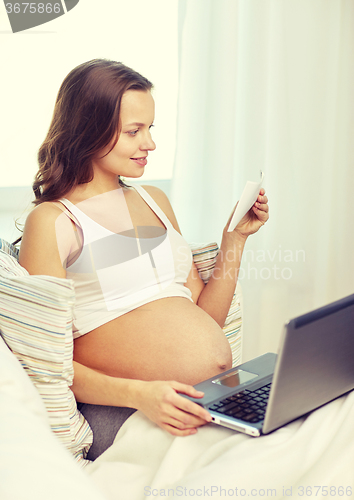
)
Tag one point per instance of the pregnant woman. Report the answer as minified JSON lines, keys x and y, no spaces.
{"x":145,"y":326}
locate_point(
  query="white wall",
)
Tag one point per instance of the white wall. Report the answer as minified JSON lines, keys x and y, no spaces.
{"x":141,"y":34}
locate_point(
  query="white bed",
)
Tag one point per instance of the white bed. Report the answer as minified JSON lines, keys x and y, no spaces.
{"x":311,"y":457}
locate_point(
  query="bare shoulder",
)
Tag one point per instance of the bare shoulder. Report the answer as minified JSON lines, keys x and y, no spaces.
{"x":163,"y":202}
{"x":160,"y":197}
{"x":39,"y":247}
{"x":43,"y":214}
{"x":41,"y":223}
{"x":157,"y":194}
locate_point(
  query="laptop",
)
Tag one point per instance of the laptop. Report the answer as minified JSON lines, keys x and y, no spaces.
{"x":314,"y":365}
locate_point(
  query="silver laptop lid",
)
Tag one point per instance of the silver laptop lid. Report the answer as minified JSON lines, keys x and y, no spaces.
{"x":315,"y":363}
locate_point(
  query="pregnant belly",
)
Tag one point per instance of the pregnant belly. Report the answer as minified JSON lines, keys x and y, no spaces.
{"x":168,"y":339}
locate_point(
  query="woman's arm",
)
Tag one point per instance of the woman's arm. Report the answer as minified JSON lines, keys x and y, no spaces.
{"x":158,"y":400}
{"x":215,"y":297}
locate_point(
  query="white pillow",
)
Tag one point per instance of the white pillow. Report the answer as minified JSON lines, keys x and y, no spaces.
{"x":33,"y":464}
{"x":15,"y":383}
{"x":36,"y":324}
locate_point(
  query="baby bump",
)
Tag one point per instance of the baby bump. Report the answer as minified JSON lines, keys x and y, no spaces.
{"x":168,"y":339}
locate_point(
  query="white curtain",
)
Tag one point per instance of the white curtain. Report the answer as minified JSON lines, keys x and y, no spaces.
{"x":269,"y":85}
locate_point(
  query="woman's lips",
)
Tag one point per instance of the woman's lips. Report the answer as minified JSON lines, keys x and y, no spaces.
{"x":140,"y":161}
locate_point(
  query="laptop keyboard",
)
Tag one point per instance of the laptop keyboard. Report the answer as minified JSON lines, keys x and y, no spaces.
{"x":246,"y":405}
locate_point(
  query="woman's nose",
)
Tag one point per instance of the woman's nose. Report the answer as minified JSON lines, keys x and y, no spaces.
{"x":148,"y":144}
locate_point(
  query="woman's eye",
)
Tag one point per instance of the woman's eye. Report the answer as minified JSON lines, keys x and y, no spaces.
{"x":134,"y":132}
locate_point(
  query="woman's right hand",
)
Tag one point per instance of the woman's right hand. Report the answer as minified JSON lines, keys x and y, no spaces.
{"x":162,"y":404}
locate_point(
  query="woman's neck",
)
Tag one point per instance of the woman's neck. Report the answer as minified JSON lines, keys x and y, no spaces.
{"x":93,"y":188}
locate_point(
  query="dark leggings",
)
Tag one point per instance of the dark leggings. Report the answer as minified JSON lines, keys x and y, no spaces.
{"x":105,"y":422}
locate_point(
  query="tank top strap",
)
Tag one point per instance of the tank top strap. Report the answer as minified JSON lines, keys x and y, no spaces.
{"x":69,"y":210}
{"x":64,"y":208}
{"x":91,"y":229}
{"x":66,"y":203}
{"x":154,"y":206}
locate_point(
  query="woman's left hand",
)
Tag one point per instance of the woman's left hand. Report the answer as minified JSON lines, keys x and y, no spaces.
{"x":256,"y":217}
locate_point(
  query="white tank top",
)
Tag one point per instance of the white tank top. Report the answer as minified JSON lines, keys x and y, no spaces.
{"x":116,"y":273}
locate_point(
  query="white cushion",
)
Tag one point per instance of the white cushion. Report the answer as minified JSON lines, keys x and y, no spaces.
{"x":15,"y":383}
{"x":33,"y":464}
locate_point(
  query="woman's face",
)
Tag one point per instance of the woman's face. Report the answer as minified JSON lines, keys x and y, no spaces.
{"x":128,"y":158}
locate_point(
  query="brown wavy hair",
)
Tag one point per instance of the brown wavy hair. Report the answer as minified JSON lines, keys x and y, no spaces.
{"x":86,"y":119}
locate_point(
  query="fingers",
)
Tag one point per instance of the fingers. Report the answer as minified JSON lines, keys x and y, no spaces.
{"x":175,"y":431}
{"x":182,"y":416}
{"x":186,"y":389}
{"x":261,"y":208}
{"x":179,"y":432}
{"x":262,"y":199}
{"x":261,"y":214}
{"x":169,"y":410}
{"x":188,"y":412}
{"x":182,"y":423}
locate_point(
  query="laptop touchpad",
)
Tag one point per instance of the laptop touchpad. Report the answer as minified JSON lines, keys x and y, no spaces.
{"x":235,"y":378}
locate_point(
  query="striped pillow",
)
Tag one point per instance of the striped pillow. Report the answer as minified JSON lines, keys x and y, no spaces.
{"x":36,"y":323}
{"x":204,"y":257}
